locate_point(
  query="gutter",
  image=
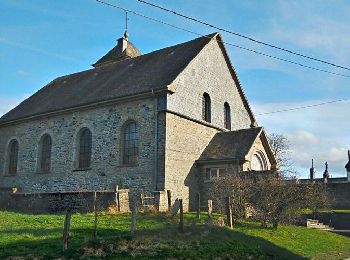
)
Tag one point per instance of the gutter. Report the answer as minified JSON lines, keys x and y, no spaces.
{"x":86,"y":106}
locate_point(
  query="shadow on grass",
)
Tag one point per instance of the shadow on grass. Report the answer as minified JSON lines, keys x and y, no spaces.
{"x":198,"y":241}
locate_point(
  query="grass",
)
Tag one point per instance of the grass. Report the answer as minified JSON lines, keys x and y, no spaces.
{"x":157,"y":237}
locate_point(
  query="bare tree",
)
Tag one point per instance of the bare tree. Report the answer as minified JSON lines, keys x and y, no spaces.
{"x":280,"y":147}
{"x":279,"y":200}
{"x":274,"y":198}
{"x":235,"y":186}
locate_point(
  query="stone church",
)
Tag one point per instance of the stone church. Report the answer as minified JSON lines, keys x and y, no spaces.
{"x":163,"y":122}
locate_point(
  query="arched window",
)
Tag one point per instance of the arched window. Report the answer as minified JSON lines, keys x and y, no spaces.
{"x":85,"y":142}
{"x":130,"y":143}
{"x":227,"y":115}
{"x":258,"y":162}
{"x":206,"y":108}
{"x":12,"y":157}
{"x":45,"y":154}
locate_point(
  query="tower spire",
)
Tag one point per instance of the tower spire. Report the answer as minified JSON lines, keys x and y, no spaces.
{"x":312,"y":170}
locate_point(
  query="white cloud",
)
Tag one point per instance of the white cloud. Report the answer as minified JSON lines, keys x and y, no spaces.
{"x":34,"y":49}
{"x":22,"y":72}
{"x":320,"y":133}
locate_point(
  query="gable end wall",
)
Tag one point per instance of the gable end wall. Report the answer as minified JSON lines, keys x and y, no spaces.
{"x":209,"y":72}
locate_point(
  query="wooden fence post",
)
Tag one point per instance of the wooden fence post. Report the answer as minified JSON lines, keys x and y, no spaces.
{"x":95,"y":211}
{"x":210,"y":211}
{"x":169,"y":199}
{"x":198,"y":206}
{"x":66,"y":229}
{"x":116,"y":191}
{"x":229,"y":217}
{"x":181,"y":224}
{"x":133,"y":215}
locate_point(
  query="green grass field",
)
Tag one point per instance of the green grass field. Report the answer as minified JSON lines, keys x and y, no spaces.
{"x":40,"y":236}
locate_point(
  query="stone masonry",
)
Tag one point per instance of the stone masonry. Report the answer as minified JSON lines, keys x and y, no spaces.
{"x":172,"y":134}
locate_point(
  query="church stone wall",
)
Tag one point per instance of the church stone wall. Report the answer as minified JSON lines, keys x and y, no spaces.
{"x":209,"y":72}
{"x":106,"y":171}
{"x":185,"y":142}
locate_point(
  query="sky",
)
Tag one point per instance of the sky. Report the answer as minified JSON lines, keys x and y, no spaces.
{"x":44,"y":39}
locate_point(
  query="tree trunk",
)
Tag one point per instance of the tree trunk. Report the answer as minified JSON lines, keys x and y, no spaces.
{"x":229,"y":217}
{"x":210,"y":211}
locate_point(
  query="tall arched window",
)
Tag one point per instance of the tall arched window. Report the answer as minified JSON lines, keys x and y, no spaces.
{"x":206,"y":108}
{"x":85,"y":143}
{"x":12,"y":157}
{"x":45,"y":154}
{"x":130,"y":143}
{"x":227,"y":116}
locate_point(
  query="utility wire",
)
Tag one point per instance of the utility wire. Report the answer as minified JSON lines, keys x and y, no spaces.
{"x":303,"y":107}
{"x":242,"y":36}
{"x":227,"y":43}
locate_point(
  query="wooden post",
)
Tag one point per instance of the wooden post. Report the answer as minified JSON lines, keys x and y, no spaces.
{"x":95,"y":211}
{"x":66,"y":230}
{"x":116,"y":191}
{"x":229,"y":218}
{"x":181,"y":224}
{"x":169,"y":199}
{"x":198,"y":206}
{"x":133,"y":215}
{"x":210,"y":211}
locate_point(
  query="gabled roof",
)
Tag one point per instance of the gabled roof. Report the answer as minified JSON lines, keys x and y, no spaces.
{"x":118,"y":53}
{"x":236,"y":145}
{"x":141,"y":74}
{"x":231,"y":145}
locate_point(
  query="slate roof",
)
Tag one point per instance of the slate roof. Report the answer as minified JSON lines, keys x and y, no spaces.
{"x":141,"y":74}
{"x":230,"y":145}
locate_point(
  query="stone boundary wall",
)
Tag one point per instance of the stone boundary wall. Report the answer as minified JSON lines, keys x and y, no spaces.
{"x":340,"y":194}
{"x":38,"y":203}
{"x":83,"y":202}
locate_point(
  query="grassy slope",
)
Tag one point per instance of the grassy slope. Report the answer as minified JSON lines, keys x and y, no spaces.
{"x":40,"y":235}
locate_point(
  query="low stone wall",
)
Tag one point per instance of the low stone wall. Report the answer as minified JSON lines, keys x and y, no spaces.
{"x":60,"y":202}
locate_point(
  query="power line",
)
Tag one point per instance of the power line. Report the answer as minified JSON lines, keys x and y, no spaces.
{"x":242,"y":36}
{"x":303,"y":107}
{"x":227,"y":43}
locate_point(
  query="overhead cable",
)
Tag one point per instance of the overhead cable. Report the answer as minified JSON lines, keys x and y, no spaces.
{"x":227,"y":43}
{"x":243,"y":36}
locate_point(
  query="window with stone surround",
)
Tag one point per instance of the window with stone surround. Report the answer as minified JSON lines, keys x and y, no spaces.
{"x":227,"y":116}
{"x":44,"y":161}
{"x":12,"y":157}
{"x":206,"y":113}
{"x":85,"y":146}
{"x":130,"y":143}
{"x":212,"y":173}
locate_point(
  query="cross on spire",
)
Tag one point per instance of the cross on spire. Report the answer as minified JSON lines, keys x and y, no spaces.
{"x":126,"y":34}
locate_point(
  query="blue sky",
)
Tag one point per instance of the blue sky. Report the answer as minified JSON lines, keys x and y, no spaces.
{"x":43,"y":39}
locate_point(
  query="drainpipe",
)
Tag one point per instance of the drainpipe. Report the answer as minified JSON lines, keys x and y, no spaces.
{"x":156,"y":141}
